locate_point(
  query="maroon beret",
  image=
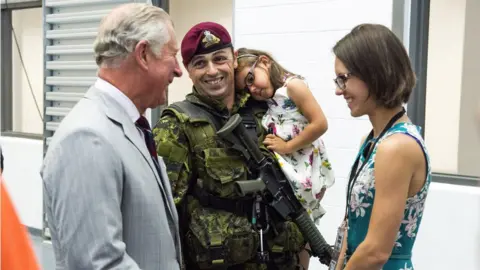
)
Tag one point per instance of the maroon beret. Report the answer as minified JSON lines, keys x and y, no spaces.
{"x":202,"y":38}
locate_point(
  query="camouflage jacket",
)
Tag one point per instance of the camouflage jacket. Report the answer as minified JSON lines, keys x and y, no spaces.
{"x":207,"y":226}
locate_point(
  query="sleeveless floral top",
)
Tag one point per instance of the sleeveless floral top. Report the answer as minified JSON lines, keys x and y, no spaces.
{"x":362,"y":199}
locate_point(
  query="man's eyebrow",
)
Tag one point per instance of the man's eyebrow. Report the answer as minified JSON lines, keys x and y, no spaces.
{"x":219,"y":52}
{"x":200,"y":56}
{"x":196,"y":57}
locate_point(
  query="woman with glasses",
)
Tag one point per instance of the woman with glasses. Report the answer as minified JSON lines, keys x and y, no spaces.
{"x":390,"y":177}
{"x":295,"y":122}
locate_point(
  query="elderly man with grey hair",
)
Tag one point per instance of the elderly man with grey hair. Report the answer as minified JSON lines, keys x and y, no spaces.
{"x":108,"y":201}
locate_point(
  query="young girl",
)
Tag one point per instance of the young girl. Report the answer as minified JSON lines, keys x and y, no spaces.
{"x":295,"y":123}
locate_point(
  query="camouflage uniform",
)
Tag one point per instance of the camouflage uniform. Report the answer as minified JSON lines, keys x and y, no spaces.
{"x":215,"y":168}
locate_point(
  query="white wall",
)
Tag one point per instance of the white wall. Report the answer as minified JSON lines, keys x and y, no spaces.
{"x":185,"y":14}
{"x":301,"y":34}
{"x":449,"y":237}
{"x":23,"y":158}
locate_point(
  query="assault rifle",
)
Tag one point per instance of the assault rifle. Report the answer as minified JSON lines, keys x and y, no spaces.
{"x":272,"y":180}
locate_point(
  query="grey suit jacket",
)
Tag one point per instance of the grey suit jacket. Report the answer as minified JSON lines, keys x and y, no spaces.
{"x":106,"y":205}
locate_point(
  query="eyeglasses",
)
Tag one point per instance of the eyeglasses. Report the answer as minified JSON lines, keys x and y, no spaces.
{"x":341,"y":80}
{"x":250,"y":78}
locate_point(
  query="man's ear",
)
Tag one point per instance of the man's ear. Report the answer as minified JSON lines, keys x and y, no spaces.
{"x":235,"y":61}
{"x":188,"y":68}
{"x":189,"y":74}
{"x":141,"y":54}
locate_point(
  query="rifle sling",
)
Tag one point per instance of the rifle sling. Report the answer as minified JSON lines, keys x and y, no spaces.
{"x":216,"y":120}
{"x":238,"y":206}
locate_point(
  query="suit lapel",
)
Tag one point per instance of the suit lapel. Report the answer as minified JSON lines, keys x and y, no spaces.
{"x":164,"y":176}
{"x":115,"y":113}
{"x":166,"y":183}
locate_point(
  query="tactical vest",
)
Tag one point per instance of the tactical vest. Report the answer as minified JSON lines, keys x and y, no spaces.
{"x":217,"y":230}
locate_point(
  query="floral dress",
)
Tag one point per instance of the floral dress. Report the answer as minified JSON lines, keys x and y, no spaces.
{"x":308,"y":169}
{"x":362,"y":198}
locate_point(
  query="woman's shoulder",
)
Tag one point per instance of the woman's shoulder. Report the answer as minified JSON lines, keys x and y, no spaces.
{"x":403,"y":133}
{"x":403,"y":141}
{"x":406,"y":134}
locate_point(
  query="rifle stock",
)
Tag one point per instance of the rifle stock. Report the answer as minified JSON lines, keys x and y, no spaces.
{"x":250,"y":186}
{"x":283,"y":198}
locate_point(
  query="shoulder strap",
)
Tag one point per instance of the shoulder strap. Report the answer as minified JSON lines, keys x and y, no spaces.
{"x":289,"y":78}
{"x":287,"y":81}
{"x":196,"y":112}
{"x":417,"y":137}
{"x":249,"y":121}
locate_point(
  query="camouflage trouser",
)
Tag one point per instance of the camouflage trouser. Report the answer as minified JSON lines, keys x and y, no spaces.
{"x":291,"y":264}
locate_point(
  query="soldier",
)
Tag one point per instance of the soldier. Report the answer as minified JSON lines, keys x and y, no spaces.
{"x":216,"y":220}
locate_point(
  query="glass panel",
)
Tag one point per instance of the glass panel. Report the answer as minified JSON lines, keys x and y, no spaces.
{"x":28,"y":31}
{"x":451,"y":129}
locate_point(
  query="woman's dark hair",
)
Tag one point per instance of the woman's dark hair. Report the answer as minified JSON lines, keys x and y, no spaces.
{"x":373,"y":53}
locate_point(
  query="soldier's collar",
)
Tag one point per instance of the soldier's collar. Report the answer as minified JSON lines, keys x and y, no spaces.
{"x":241,"y":98}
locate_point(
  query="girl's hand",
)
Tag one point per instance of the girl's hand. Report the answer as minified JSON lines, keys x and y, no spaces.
{"x":276,"y":144}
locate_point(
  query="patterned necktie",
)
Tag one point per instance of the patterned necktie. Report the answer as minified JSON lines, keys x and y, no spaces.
{"x":143,"y":124}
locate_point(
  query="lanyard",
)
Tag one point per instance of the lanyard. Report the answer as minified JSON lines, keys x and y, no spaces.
{"x":366,"y":151}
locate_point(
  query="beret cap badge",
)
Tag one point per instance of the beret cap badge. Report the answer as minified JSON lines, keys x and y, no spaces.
{"x":203,"y":38}
{"x":209,"y":39}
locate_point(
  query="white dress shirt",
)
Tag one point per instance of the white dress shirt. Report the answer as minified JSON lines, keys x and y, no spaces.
{"x":119,"y":97}
{"x":122,"y":99}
